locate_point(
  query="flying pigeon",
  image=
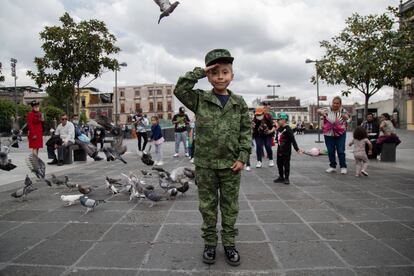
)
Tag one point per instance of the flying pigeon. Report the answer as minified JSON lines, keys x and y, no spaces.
{"x":117,"y":148}
{"x":111,"y":187}
{"x":70,"y":199}
{"x":5,"y":162}
{"x":16,"y":134}
{"x":37,"y":166}
{"x":23,"y":192}
{"x":59,"y":181}
{"x":166,"y":7}
{"x":89,"y":203}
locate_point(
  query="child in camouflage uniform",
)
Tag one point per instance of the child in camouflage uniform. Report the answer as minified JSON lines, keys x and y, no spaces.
{"x":223,"y":146}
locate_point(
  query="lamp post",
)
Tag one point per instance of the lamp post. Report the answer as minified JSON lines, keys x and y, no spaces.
{"x":123,"y":64}
{"x":317,"y":98}
{"x":13,"y":62}
{"x":273,"y":86}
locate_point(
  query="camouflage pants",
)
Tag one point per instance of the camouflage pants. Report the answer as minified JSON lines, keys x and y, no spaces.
{"x":214,"y":187}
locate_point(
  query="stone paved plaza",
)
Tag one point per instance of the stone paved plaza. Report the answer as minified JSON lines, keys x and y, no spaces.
{"x":321,"y":224}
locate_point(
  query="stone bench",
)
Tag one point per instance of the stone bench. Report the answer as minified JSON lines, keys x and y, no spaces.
{"x":75,"y":153}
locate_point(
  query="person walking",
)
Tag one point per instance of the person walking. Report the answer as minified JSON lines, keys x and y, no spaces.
{"x":335,"y":123}
{"x":181,"y":122}
{"x":263,"y":133}
{"x":157,"y":139}
{"x":360,"y":141}
{"x":141,"y":123}
{"x":35,"y":120}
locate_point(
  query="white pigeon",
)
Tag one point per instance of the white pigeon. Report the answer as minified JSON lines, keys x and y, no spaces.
{"x":70,"y":199}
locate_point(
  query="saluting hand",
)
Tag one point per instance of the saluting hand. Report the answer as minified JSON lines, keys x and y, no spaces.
{"x":208,"y":68}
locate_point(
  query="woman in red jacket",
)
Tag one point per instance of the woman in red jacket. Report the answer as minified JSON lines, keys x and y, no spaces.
{"x":34,"y":125}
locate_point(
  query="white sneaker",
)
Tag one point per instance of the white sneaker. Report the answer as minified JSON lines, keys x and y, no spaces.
{"x":192,"y":160}
{"x":176,"y":155}
{"x":344,"y":171}
{"x":247,"y":168}
{"x":271,"y":163}
{"x":160,"y":163}
{"x":364,"y":172}
{"x":258,"y":164}
{"x":188,"y":155}
{"x":331,"y":170}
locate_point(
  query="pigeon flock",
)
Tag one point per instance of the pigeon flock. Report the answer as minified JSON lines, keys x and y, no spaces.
{"x":169,"y":184}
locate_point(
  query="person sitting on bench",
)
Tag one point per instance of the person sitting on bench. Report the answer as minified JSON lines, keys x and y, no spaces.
{"x":83,"y":141}
{"x":372,"y":127}
{"x":66,"y":132}
{"x":388,"y":132}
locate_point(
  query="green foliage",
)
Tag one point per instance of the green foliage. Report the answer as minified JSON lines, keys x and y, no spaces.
{"x":83,"y":119}
{"x":72,"y":52}
{"x":370,"y":53}
{"x":8,"y":112}
{"x":1,"y":74}
{"x":52,"y":116}
{"x":59,"y":96}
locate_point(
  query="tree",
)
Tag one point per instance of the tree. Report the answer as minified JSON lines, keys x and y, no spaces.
{"x":368,"y":54}
{"x":72,"y":52}
{"x":8,"y":112}
{"x":52,"y":116}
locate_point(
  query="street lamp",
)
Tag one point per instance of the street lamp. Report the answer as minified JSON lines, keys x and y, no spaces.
{"x":274,"y":86}
{"x":123,"y":64}
{"x":317,"y":97}
{"x":13,"y":62}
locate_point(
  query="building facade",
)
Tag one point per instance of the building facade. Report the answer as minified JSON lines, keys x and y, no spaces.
{"x":404,"y":98}
{"x":290,"y":105}
{"x":18,"y":94}
{"x":153,"y":99}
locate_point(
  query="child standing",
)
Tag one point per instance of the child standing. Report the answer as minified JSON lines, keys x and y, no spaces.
{"x":361,"y":159}
{"x":285,"y":139}
{"x":223,"y":146}
{"x":157,"y":139}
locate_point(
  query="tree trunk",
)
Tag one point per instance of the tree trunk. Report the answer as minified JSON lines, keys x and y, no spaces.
{"x":367,"y":96}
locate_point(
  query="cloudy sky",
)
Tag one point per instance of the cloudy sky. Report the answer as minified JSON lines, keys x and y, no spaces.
{"x":270,"y":39}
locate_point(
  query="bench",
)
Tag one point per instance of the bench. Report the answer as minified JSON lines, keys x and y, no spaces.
{"x":388,"y":152}
{"x":75,"y":153}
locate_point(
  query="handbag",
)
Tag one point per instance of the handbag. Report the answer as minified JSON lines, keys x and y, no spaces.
{"x":84,"y":138}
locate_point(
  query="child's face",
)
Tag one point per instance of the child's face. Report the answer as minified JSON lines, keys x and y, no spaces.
{"x":154,"y":121}
{"x":220,"y":77}
{"x":281,"y":122}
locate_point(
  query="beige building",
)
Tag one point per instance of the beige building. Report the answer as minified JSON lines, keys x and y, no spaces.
{"x":153,"y":99}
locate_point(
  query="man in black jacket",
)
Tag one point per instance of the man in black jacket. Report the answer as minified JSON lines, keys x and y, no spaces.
{"x":285,"y":139}
{"x":372,"y":127}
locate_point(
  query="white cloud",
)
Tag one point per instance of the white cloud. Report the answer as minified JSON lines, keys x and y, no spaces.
{"x":270,"y":39}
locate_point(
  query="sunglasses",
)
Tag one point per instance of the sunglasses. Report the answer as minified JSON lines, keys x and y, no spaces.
{"x":64,"y":119}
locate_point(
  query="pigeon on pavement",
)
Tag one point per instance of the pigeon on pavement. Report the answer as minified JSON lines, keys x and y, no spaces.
{"x":70,"y":199}
{"x":59,"y":180}
{"x":23,"y":192}
{"x":5,"y":162}
{"x":89,"y":203}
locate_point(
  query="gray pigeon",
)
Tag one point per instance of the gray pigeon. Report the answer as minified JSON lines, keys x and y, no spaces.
{"x":60,"y":180}
{"x":117,"y":148}
{"x":89,"y":203}
{"x":23,"y":192}
{"x":37,"y":166}
{"x":154,"y":197}
{"x":166,"y":7}
{"x":5,"y":162}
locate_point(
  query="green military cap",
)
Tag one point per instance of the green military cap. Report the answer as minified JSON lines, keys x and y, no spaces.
{"x":218,"y":55}
{"x":282,"y":116}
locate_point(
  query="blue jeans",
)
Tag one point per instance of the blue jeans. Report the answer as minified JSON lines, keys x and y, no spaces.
{"x":265,"y":141}
{"x":181,"y":137}
{"x":336,"y":145}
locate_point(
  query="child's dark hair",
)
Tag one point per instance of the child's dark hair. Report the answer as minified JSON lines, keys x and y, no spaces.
{"x":387,"y":116}
{"x":360,"y":133}
{"x":155,"y":118}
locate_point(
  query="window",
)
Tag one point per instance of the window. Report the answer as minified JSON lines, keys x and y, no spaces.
{"x":137,"y":106}
{"x":169,"y":116}
{"x":150,"y":93}
{"x":169,"y":107}
{"x":159,"y":92}
{"x":299,"y":118}
{"x":293,"y":118}
{"x":137,"y":93}
{"x":305,"y":118}
{"x":160,"y":116}
{"x":122,"y":108}
{"x":122,"y":94}
{"x":159,"y":106}
{"x":168,"y":91}
{"x":83,"y":102}
{"x":151,"y":107}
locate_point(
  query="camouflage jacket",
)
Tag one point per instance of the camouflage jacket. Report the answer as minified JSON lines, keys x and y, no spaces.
{"x":223,"y":133}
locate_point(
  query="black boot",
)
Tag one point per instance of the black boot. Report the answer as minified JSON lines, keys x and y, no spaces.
{"x":209,"y":254}
{"x":287,"y":182}
{"x":279,"y":180}
{"x":232,"y":255}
